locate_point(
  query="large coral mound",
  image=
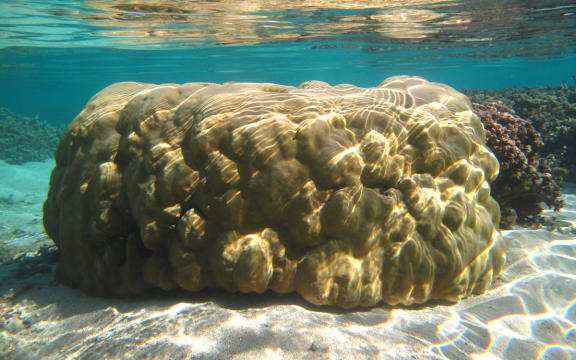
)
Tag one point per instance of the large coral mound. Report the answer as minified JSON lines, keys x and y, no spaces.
{"x":525,"y":181}
{"x":348,"y":196}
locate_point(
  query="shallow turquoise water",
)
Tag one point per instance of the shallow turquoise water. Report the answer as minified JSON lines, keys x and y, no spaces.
{"x":54,"y":55}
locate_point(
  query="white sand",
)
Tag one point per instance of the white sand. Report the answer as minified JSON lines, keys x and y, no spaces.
{"x":22,"y":189}
{"x":530,"y":313}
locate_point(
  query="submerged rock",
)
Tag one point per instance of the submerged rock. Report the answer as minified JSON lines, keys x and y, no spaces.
{"x":348,"y":196}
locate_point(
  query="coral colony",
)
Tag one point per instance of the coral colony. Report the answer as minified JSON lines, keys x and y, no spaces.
{"x":551,"y":111}
{"x":345,"y":195}
{"x":525,"y":180}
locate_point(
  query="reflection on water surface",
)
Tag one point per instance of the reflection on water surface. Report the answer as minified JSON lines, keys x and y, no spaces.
{"x":537,"y":28}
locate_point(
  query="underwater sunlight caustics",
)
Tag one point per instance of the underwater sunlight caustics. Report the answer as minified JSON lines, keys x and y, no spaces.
{"x":271,"y":179}
{"x":345,"y":195}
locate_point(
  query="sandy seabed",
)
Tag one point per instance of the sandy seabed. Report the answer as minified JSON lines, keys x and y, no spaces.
{"x":529,"y":313}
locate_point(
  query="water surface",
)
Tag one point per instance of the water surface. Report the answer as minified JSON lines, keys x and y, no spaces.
{"x":54,"y":55}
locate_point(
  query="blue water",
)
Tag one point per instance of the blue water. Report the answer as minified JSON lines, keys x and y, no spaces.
{"x":54,"y":55}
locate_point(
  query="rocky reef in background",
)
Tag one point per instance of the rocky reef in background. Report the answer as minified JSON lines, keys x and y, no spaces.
{"x":525,"y":180}
{"x":552,"y":112}
{"x":24,"y":139}
{"x":347,"y":196}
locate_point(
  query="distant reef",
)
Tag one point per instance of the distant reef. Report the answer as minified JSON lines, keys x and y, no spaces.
{"x":552,"y":112}
{"x":24,"y":139}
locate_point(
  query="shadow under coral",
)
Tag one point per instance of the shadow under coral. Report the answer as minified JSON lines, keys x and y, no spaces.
{"x":527,"y":309}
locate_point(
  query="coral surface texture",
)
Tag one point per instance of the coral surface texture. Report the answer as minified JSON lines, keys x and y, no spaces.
{"x":348,"y":196}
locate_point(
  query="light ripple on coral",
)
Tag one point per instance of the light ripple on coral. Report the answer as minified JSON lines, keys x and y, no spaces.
{"x":347,"y":196}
